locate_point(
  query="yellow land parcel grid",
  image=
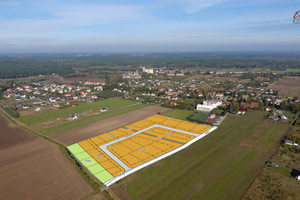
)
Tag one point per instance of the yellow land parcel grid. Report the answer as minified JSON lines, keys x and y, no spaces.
{"x":118,"y":153}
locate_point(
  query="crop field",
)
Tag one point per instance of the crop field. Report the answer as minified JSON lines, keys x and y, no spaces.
{"x":288,"y":87}
{"x":222,"y":165}
{"x":121,"y":152}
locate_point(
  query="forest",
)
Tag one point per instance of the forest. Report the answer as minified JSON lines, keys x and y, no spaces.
{"x":19,"y":65}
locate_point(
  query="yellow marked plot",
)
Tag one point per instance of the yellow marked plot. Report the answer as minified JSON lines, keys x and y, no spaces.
{"x":157,"y":119}
{"x":107,"y":137}
{"x":165,"y":146}
{"x":172,"y":135}
{"x":131,"y":161}
{"x":143,"y":139}
{"x":86,"y":145}
{"x":200,"y":129}
{"x":186,"y":126}
{"x":119,"y":149}
{"x":97,"y":141}
{"x":132,"y":145}
{"x":154,"y":151}
{"x":139,"y":125}
{"x":142,"y":155}
{"x":108,"y":164}
{"x":121,"y":132}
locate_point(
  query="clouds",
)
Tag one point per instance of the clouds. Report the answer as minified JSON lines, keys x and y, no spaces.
{"x":76,"y":16}
{"x":161,"y":24}
{"x":10,"y":3}
{"x":194,"y":6}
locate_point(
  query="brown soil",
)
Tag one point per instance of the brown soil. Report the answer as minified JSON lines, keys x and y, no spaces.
{"x":33,"y":168}
{"x":287,"y":86}
{"x":26,"y":112}
{"x":98,"y":196}
{"x":78,"y":134}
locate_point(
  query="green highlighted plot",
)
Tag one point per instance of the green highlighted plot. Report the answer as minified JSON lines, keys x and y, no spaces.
{"x":92,"y":165}
{"x":104,"y":176}
{"x":89,"y":162}
{"x":83,"y":156}
{"x":96,"y":169}
{"x":75,"y":149}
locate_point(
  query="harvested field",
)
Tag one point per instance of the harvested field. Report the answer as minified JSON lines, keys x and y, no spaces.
{"x":33,"y":168}
{"x":287,"y":86}
{"x":85,"y":132}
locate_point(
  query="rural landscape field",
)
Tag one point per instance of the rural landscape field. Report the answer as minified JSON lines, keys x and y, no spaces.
{"x":220,"y":166}
{"x":149,"y":100}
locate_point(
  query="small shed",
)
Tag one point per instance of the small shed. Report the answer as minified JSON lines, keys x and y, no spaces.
{"x":73,"y":116}
{"x":289,"y":142}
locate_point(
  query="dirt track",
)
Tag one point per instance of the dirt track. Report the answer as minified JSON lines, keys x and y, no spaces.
{"x":78,"y":134}
{"x":33,"y":168}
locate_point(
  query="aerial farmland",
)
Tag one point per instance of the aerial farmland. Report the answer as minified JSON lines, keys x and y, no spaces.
{"x":141,"y":132}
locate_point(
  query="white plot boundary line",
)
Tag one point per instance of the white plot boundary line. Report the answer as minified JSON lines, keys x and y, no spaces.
{"x":129,"y":170}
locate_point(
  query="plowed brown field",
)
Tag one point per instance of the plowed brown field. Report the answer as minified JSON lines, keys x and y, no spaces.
{"x":34,"y":168}
{"x":85,"y":132}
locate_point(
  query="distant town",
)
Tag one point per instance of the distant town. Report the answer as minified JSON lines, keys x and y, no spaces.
{"x":214,"y":93}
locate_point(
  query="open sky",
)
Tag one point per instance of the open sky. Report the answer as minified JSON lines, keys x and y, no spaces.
{"x":148,"y":26}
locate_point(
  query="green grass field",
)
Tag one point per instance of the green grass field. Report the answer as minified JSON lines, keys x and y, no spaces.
{"x":219,"y":166}
{"x":12,"y":112}
{"x":84,"y":121}
{"x":283,"y":171}
{"x":178,"y":114}
{"x":199,"y":116}
{"x":112,"y":103}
